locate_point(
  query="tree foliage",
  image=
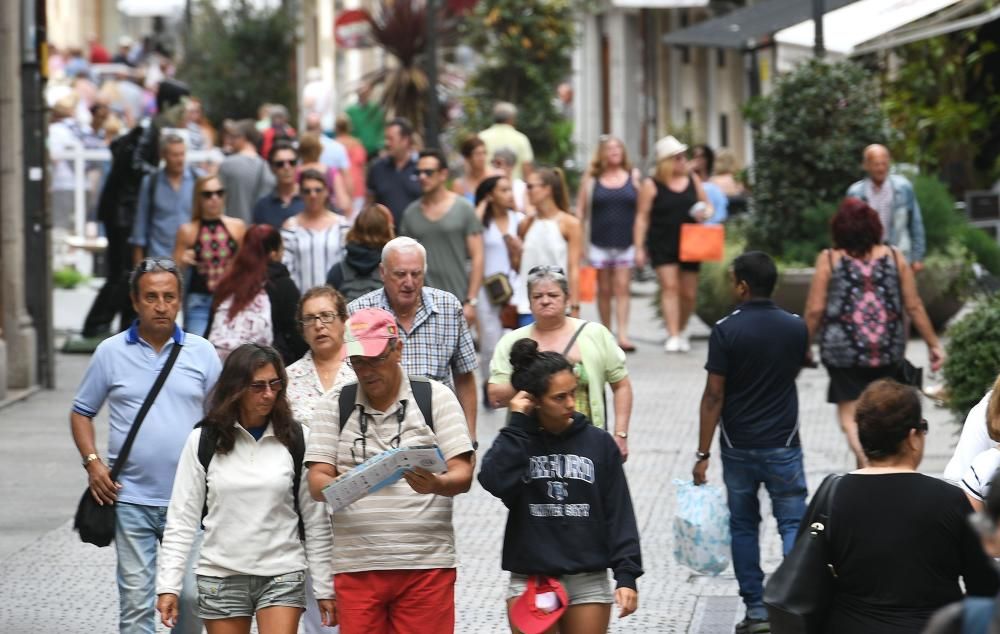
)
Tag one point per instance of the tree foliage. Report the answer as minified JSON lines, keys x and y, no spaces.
{"x":240,"y":57}
{"x":973,"y":355}
{"x":810,"y":133}
{"x":929,"y":103}
{"x":526,"y":46}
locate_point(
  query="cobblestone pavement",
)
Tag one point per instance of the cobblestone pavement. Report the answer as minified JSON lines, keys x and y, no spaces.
{"x":53,"y":583}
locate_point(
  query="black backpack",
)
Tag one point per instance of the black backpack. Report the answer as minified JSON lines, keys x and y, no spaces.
{"x":206,"y":449}
{"x":421,"y":387}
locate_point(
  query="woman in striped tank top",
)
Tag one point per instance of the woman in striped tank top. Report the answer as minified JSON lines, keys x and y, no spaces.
{"x":313,"y":238}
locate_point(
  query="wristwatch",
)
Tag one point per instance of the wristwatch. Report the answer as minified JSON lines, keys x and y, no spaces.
{"x":90,"y":458}
{"x":471,"y":301}
{"x":621,"y":434}
{"x":702,"y":455}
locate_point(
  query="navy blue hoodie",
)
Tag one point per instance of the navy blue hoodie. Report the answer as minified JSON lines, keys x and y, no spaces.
{"x":570,"y":508}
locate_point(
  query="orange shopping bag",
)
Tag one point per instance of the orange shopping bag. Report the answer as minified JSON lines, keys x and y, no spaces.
{"x":702,"y":243}
{"x":588,"y":283}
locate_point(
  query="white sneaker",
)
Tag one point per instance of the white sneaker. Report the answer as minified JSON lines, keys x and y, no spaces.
{"x":684,"y":343}
{"x":673,"y":344}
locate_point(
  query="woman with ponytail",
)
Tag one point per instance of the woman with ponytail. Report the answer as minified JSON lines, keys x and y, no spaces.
{"x":570,"y":516}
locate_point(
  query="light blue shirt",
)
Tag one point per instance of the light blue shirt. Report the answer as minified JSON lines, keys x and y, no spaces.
{"x":334,"y":153}
{"x":171,"y":209}
{"x":719,"y":202}
{"x":121,"y":372}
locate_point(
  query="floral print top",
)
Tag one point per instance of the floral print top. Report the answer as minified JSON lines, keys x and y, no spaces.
{"x":305,"y":389}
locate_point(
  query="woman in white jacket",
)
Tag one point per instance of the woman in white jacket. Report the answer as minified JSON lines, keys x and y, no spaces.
{"x":252,"y":560}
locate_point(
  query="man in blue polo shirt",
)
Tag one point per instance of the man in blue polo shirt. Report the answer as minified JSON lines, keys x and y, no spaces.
{"x":754,"y":356}
{"x":121,"y":373}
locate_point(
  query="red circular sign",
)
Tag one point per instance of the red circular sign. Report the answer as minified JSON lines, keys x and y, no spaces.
{"x":352,"y":29}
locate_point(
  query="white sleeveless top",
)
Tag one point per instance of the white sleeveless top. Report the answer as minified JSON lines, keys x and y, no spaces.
{"x":544,"y":244}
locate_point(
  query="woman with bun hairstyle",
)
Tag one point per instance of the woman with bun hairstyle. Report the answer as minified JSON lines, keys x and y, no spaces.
{"x":561,"y":479}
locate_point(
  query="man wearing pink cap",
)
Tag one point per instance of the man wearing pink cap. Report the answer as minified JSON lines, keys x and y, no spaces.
{"x":394,"y":550}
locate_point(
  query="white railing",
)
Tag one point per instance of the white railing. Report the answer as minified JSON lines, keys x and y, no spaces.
{"x":78,"y":156}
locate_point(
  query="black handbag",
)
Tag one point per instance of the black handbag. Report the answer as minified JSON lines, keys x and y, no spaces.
{"x":799,"y":593}
{"x":96,"y":522}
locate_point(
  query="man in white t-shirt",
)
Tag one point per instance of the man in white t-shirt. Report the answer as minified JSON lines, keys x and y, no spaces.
{"x":394,"y":550}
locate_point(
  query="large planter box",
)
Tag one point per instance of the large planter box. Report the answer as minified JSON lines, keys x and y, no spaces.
{"x":793,"y":288}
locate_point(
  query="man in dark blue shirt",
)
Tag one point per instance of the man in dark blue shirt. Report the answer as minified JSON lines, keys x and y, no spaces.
{"x":754,"y":356}
{"x":285,"y":201}
{"x":392,"y":179}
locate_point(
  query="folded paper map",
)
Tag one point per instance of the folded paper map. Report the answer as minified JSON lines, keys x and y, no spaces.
{"x":381,"y":471}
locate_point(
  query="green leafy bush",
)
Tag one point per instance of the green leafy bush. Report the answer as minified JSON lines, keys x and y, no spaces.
{"x":982,"y":246}
{"x":802,"y":251}
{"x":811,"y":131}
{"x":973,"y":359}
{"x":67,"y":277}
{"x":715,"y":285}
{"x":942,"y":223}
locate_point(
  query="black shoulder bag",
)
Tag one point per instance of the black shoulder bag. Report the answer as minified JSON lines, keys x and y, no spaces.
{"x":96,"y":522}
{"x":799,"y":593}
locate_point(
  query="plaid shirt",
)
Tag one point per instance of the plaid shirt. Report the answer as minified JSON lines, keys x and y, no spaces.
{"x":439,"y":346}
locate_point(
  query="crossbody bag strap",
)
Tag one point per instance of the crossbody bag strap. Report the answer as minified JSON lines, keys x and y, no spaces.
{"x":572,"y":340}
{"x":146,"y":404}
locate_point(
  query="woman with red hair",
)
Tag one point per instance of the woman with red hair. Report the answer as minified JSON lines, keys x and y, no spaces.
{"x":856,"y":304}
{"x":258,"y":293}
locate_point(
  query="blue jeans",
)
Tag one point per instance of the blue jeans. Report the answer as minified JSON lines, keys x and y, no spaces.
{"x":138,"y":531}
{"x":197,"y":307}
{"x":780,"y":471}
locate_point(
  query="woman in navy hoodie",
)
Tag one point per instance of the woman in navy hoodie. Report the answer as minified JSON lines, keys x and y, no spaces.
{"x":570,"y":512}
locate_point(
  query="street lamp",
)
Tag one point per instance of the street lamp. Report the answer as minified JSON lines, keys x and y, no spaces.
{"x":819,"y":47}
{"x":431,"y":132}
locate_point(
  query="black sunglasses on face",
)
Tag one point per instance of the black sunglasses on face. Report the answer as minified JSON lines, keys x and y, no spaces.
{"x":309,"y":191}
{"x":427,"y":172}
{"x":209,"y":193}
{"x":288,"y":163}
{"x":258,"y":387}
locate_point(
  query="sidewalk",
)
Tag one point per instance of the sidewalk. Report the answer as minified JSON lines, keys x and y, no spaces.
{"x":53,"y":583}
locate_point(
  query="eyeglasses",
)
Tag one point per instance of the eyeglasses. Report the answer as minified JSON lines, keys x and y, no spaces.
{"x":309,"y":191}
{"x":428,"y":172}
{"x":546,"y":268}
{"x":325,"y":317}
{"x":259,"y":387}
{"x":149,"y":265}
{"x":359,"y":362}
{"x":922,"y":426}
{"x":498,"y":163}
{"x":280,"y":164}
{"x":534,"y":185}
{"x":363,"y":417}
{"x":209,"y":193}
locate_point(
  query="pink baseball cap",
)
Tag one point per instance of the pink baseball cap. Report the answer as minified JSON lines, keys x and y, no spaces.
{"x":526,"y":613}
{"x":368,"y":332}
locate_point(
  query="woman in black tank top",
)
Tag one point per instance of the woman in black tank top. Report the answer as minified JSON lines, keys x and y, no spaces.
{"x":665,"y":203}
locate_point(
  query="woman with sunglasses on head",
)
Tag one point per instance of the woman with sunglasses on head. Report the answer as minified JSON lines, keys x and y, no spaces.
{"x":261,"y":534}
{"x":207,"y":244}
{"x":591,"y":349}
{"x":314,"y":238}
{"x":561,"y":479}
{"x":899,"y":540}
{"x":257,"y":273}
{"x":551,"y":237}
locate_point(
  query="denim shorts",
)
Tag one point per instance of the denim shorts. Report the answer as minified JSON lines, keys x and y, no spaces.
{"x":584,"y":587}
{"x":243,"y":595}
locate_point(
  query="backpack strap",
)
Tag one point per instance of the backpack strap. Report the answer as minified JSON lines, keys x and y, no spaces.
{"x":421,"y":387}
{"x":206,"y":450}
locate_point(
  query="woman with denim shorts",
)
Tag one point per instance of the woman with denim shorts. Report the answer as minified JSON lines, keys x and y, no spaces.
{"x":570,"y":512}
{"x":253,"y":558}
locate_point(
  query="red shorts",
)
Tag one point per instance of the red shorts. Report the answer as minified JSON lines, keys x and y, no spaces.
{"x":396,"y":601}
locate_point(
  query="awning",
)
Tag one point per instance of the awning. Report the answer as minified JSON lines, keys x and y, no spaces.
{"x":863,"y":21}
{"x":659,"y":4}
{"x":749,"y":27}
{"x":150,"y":8}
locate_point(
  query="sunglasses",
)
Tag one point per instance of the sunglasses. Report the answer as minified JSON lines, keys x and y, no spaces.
{"x":326,"y":317}
{"x":363,"y":439}
{"x":210,"y":193}
{"x":311,"y":191}
{"x":428,"y":172}
{"x":288,"y":163}
{"x":149,"y":265}
{"x":922,"y":426}
{"x":546,"y":268}
{"x":259,"y":387}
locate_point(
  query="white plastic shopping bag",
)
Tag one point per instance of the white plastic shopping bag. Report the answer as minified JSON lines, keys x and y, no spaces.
{"x":701,"y":528}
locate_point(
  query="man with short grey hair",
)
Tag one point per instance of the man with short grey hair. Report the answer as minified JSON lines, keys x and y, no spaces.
{"x":431,"y":323}
{"x":503,"y":134}
{"x":165,"y":198}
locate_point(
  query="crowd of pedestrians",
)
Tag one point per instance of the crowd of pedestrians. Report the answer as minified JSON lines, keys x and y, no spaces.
{"x":345,"y":295}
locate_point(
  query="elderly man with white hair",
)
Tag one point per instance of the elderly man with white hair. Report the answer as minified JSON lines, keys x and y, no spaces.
{"x":432,"y":325}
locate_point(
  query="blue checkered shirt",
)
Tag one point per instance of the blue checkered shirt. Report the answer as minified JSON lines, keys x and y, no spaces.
{"x":439,"y":346}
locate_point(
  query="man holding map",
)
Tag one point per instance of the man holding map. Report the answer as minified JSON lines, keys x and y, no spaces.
{"x":394,"y":549}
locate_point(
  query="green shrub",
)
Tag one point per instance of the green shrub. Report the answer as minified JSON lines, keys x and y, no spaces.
{"x":802,"y":251}
{"x":982,"y":246}
{"x":973,"y":359}
{"x":67,"y":277}
{"x":937,"y":208}
{"x":715,"y":286}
